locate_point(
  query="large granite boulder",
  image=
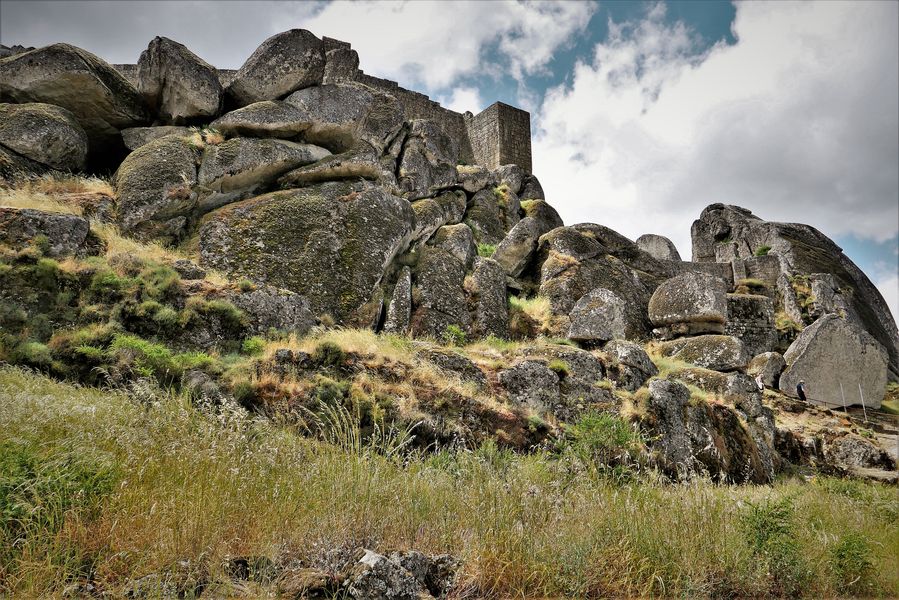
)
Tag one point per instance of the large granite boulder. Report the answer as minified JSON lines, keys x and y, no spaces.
{"x":341,"y":64}
{"x":44,"y":133}
{"x":631,"y":365}
{"x":545,"y":215}
{"x":457,"y":240}
{"x":658,"y":246}
{"x":101,"y":99}
{"x":602,"y":315}
{"x":474,"y":178}
{"x":155,"y":186}
{"x":433,"y":213}
{"x":688,"y":304}
{"x":488,"y":299}
{"x":135,"y":137}
{"x":269,"y":118}
{"x":399,"y":309}
{"x":517,"y":249}
{"x":531,"y":188}
{"x":241,"y":167}
{"x":337,"y":116}
{"x":715,"y":352}
{"x":65,"y":235}
{"x":359,"y":162}
{"x":268,"y":308}
{"x":531,"y":383}
{"x":834,"y":352}
{"x":723,"y":232}
{"x":441,"y":302}
{"x":511,"y":176}
{"x":330,"y":242}
{"x":750,"y":318}
{"x":484,"y":219}
{"x":696,"y":437}
{"x":580,"y":374}
{"x":428,"y":161}
{"x":286,"y":62}
{"x":177,"y":85}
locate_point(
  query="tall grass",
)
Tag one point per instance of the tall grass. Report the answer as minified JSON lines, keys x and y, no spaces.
{"x":166,"y":482}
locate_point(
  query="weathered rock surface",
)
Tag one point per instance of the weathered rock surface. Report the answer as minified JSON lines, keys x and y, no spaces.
{"x":154,"y":184}
{"x":483,"y":217}
{"x":454,"y":363}
{"x":375,"y":577}
{"x":101,"y":99}
{"x":433,"y":213}
{"x":247,"y":165}
{"x":135,"y":137}
{"x":44,"y":133}
{"x":531,"y":189}
{"x":702,"y":437}
{"x":770,"y":365}
{"x":511,"y":176}
{"x":331,"y":242}
{"x":658,"y":246}
{"x":531,"y":383}
{"x":474,"y":178}
{"x":834,"y":351}
{"x":399,"y":310}
{"x":457,"y":240}
{"x":341,"y":64}
{"x":632,"y":365}
{"x":690,"y":303}
{"x":338,"y":116}
{"x":269,"y":118}
{"x":750,"y":318}
{"x":517,"y":249}
{"x":66,"y":235}
{"x":286,"y":62}
{"x":270,"y":308}
{"x":723,"y":232}
{"x":852,"y":452}
{"x":601,"y":315}
{"x":579,"y":372}
{"x":439,"y":278}
{"x":716,"y":352}
{"x":359,"y":162}
{"x":488,"y":299}
{"x":545,"y":215}
{"x":428,"y":160}
{"x":177,"y":85}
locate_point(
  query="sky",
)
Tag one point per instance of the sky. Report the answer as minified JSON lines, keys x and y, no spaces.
{"x":642,"y":113}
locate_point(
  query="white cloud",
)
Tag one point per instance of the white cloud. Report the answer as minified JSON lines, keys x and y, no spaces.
{"x":463,"y":98}
{"x":798,"y":121}
{"x":889,"y":289}
{"x":435,"y":43}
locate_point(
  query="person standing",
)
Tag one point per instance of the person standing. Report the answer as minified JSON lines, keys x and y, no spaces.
{"x":800,"y":390}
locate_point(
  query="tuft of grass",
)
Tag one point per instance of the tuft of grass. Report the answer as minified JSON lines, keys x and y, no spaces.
{"x":454,"y":335}
{"x":559,"y":367}
{"x":253,"y":346}
{"x":486,"y":250}
{"x":762,"y":250}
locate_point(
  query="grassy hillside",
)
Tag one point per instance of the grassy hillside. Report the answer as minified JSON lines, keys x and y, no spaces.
{"x":109,"y":486}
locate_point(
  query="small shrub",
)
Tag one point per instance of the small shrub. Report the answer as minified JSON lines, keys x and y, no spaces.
{"x":107,"y":286}
{"x":166,"y":317}
{"x":160,"y":282}
{"x":147,"y":359}
{"x":770,"y":532}
{"x":603,"y":441}
{"x":328,"y":354}
{"x":41,"y":243}
{"x":454,"y":335}
{"x":253,"y":346}
{"x":762,"y":250}
{"x":245,"y":285}
{"x":32,"y":354}
{"x":486,"y":250}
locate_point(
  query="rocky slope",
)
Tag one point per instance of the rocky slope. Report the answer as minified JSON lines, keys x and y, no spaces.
{"x":313,"y":203}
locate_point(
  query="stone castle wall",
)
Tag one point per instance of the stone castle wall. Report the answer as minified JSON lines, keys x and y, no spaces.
{"x":499,"y":135}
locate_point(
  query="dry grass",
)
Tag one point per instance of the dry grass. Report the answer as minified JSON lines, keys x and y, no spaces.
{"x":203,"y":487}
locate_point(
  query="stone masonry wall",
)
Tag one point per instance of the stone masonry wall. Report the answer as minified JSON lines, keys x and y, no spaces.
{"x":751,"y":319}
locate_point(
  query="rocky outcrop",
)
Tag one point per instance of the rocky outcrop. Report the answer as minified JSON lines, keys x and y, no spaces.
{"x":658,"y":246}
{"x":441,"y":301}
{"x":135,"y":137}
{"x":601,"y":315}
{"x":286,"y":62}
{"x":330,"y":242}
{"x":716,"y":352}
{"x":488,"y":299}
{"x":750,"y":318}
{"x":689,"y":304}
{"x":457,"y":240}
{"x":101,"y":100}
{"x":268,"y":308}
{"x":44,"y":133}
{"x":531,"y":383}
{"x":177,"y":85}
{"x":723,"y":232}
{"x":399,"y":310}
{"x":155,"y":186}
{"x":835,"y":352}
{"x":60,"y":234}
{"x":428,"y":160}
{"x":269,"y":118}
{"x":630,"y":366}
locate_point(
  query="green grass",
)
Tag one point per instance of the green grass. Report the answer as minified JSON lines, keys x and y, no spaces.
{"x":486,"y":250}
{"x":101,"y":484}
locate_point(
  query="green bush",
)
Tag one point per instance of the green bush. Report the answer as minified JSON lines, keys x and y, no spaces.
{"x":32,"y":354}
{"x":762,"y":250}
{"x":148,"y":359}
{"x":328,"y":354}
{"x":252,"y":346}
{"x":107,"y":286}
{"x":160,"y":282}
{"x":603,"y":441}
{"x":559,"y":367}
{"x":454,"y":335}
